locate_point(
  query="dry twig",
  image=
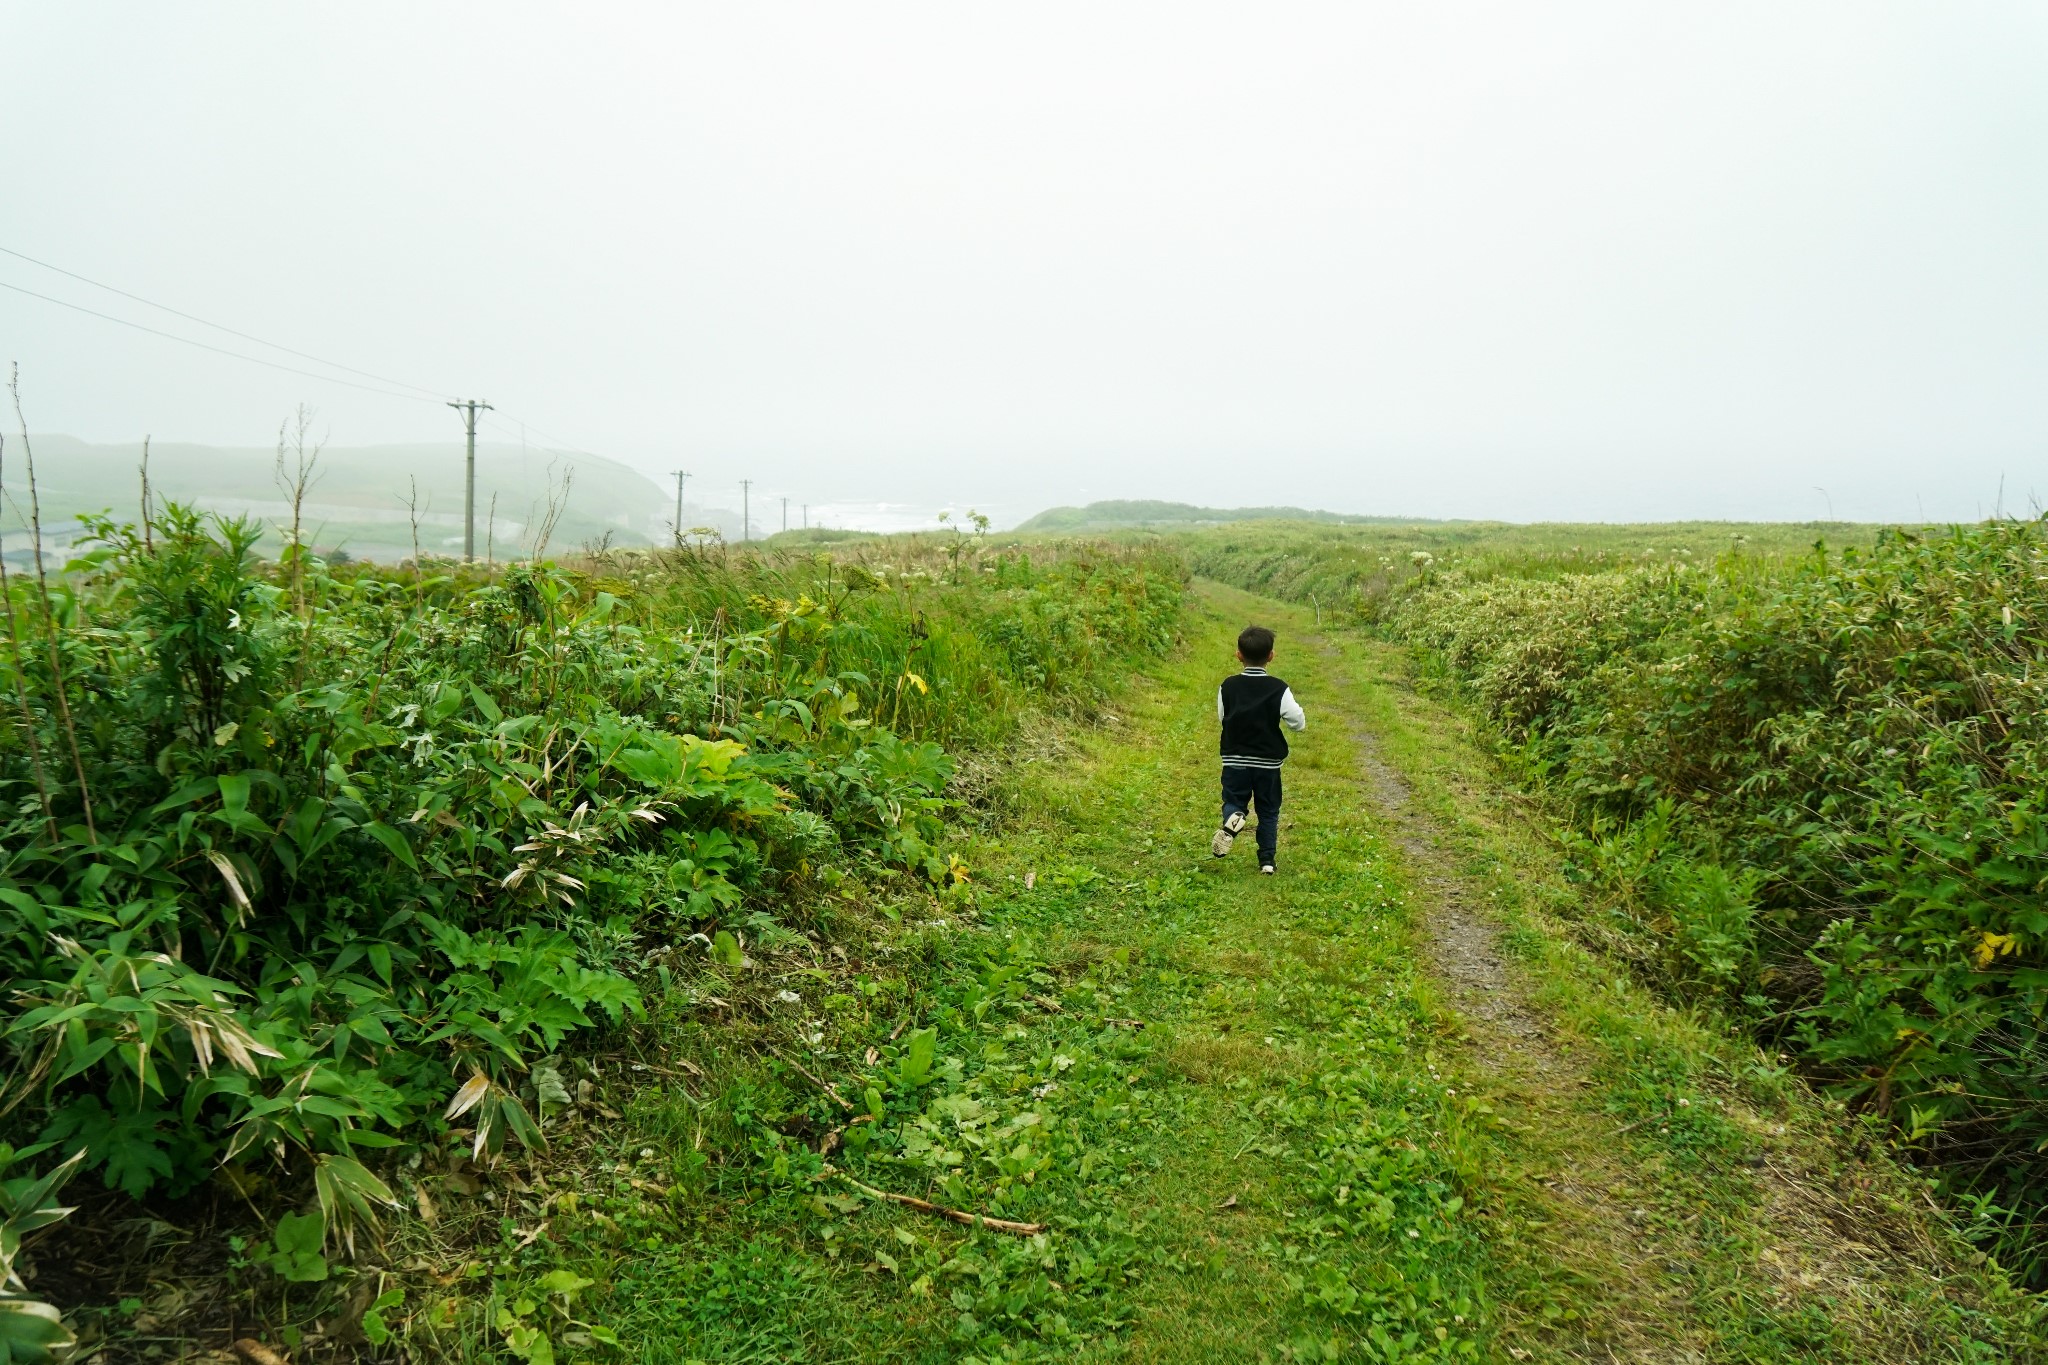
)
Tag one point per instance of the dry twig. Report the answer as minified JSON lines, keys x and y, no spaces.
{"x":823,"y":1085}
{"x":972,"y":1220}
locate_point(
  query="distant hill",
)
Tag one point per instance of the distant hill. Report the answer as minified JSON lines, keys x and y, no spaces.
{"x":358,"y":502}
{"x":1103,"y":516}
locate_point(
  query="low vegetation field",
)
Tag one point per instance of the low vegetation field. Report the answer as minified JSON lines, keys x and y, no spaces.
{"x":314,"y":876}
{"x":1801,"y":770}
{"x":814,"y":953}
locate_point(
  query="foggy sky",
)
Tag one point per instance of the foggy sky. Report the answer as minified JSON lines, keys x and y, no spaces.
{"x":1577,"y":261}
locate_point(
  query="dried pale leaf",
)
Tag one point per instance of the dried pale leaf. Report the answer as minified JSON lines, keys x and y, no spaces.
{"x":472,"y":1093}
{"x":202,"y":1044}
{"x":232,"y":1033}
{"x":228,"y":875}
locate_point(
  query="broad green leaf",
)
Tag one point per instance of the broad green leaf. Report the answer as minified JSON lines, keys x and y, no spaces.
{"x":918,"y":1051}
{"x":392,"y":840}
{"x":32,"y":1332}
{"x":234,"y":794}
{"x":564,"y":1282}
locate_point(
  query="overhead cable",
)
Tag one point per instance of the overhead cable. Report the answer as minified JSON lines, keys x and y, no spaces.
{"x":219,"y":327}
{"x":217,"y":350}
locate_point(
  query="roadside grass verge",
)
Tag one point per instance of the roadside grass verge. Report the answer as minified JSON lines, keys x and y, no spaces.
{"x":1206,"y":1084}
{"x":1252,"y":1121}
{"x":1768,"y":1223}
{"x":1247,"y":1112}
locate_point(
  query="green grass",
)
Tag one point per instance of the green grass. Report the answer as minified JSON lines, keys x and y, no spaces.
{"x":329,"y":864}
{"x":1113,"y":515}
{"x":1248,"y":1110}
{"x":1757,"y":1221}
{"x":1206,"y":1082}
{"x":1346,"y":573}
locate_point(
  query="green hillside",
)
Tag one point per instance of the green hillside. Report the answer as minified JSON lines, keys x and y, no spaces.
{"x":1099,"y":516}
{"x":358,"y":500}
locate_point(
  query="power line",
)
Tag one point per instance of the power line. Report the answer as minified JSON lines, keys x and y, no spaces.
{"x":217,"y":350}
{"x":568,"y":447}
{"x":560,"y":447}
{"x":219,"y":327}
{"x":419,"y":395}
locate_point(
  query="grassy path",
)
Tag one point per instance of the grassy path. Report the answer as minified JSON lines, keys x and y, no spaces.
{"x":1445,"y":1130}
{"x":1378,"y":1107}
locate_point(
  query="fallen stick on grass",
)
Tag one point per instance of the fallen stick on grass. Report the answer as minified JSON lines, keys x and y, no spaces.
{"x":824,"y":1085}
{"x":973,"y":1220}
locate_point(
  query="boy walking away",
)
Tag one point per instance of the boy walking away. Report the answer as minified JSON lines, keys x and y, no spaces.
{"x":1252,"y":707}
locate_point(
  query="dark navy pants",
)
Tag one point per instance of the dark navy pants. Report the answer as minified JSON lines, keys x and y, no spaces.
{"x":1245,"y":787}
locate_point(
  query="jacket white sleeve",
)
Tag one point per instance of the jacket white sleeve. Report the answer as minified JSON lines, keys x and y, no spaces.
{"x":1290,"y":710}
{"x":1219,"y":706}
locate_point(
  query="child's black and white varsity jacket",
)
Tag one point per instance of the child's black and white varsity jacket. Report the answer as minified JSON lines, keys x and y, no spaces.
{"x":1252,"y":707}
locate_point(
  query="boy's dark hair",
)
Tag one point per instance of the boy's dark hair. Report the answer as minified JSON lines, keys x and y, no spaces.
{"x":1255,"y":644}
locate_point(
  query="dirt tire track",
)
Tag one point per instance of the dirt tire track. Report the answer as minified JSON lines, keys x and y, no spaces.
{"x":1509,"y":1040}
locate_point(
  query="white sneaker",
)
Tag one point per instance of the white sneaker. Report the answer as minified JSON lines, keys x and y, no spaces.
{"x":1265,"y":869}
{"x":1233,"y":825}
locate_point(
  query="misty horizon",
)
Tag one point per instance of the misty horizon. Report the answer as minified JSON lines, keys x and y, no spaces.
{"x":1597,"y":264}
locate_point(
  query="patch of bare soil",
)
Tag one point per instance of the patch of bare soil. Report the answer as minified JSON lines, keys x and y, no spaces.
{"x":1463,"y":951}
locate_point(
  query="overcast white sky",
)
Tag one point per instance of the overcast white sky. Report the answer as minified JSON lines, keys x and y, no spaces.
{"x":1523,"y":261}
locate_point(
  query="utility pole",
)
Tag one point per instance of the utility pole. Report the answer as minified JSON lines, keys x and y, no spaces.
{"x":681,"y":476}
{"x":746,"y":513}
{"x":469,"y":411}
{"x":785,"y":514}
{"x":807,"y":516}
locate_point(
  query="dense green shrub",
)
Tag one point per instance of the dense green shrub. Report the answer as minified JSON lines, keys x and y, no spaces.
{"x":316,"y":878}
{"x":1367,"y":572}
{"x":1824,"y":787}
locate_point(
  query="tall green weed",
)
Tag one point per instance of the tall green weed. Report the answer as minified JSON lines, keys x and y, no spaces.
{"x":357,"y":868}
{"x":1822,"y":792}
{"x":1811,"y":785}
